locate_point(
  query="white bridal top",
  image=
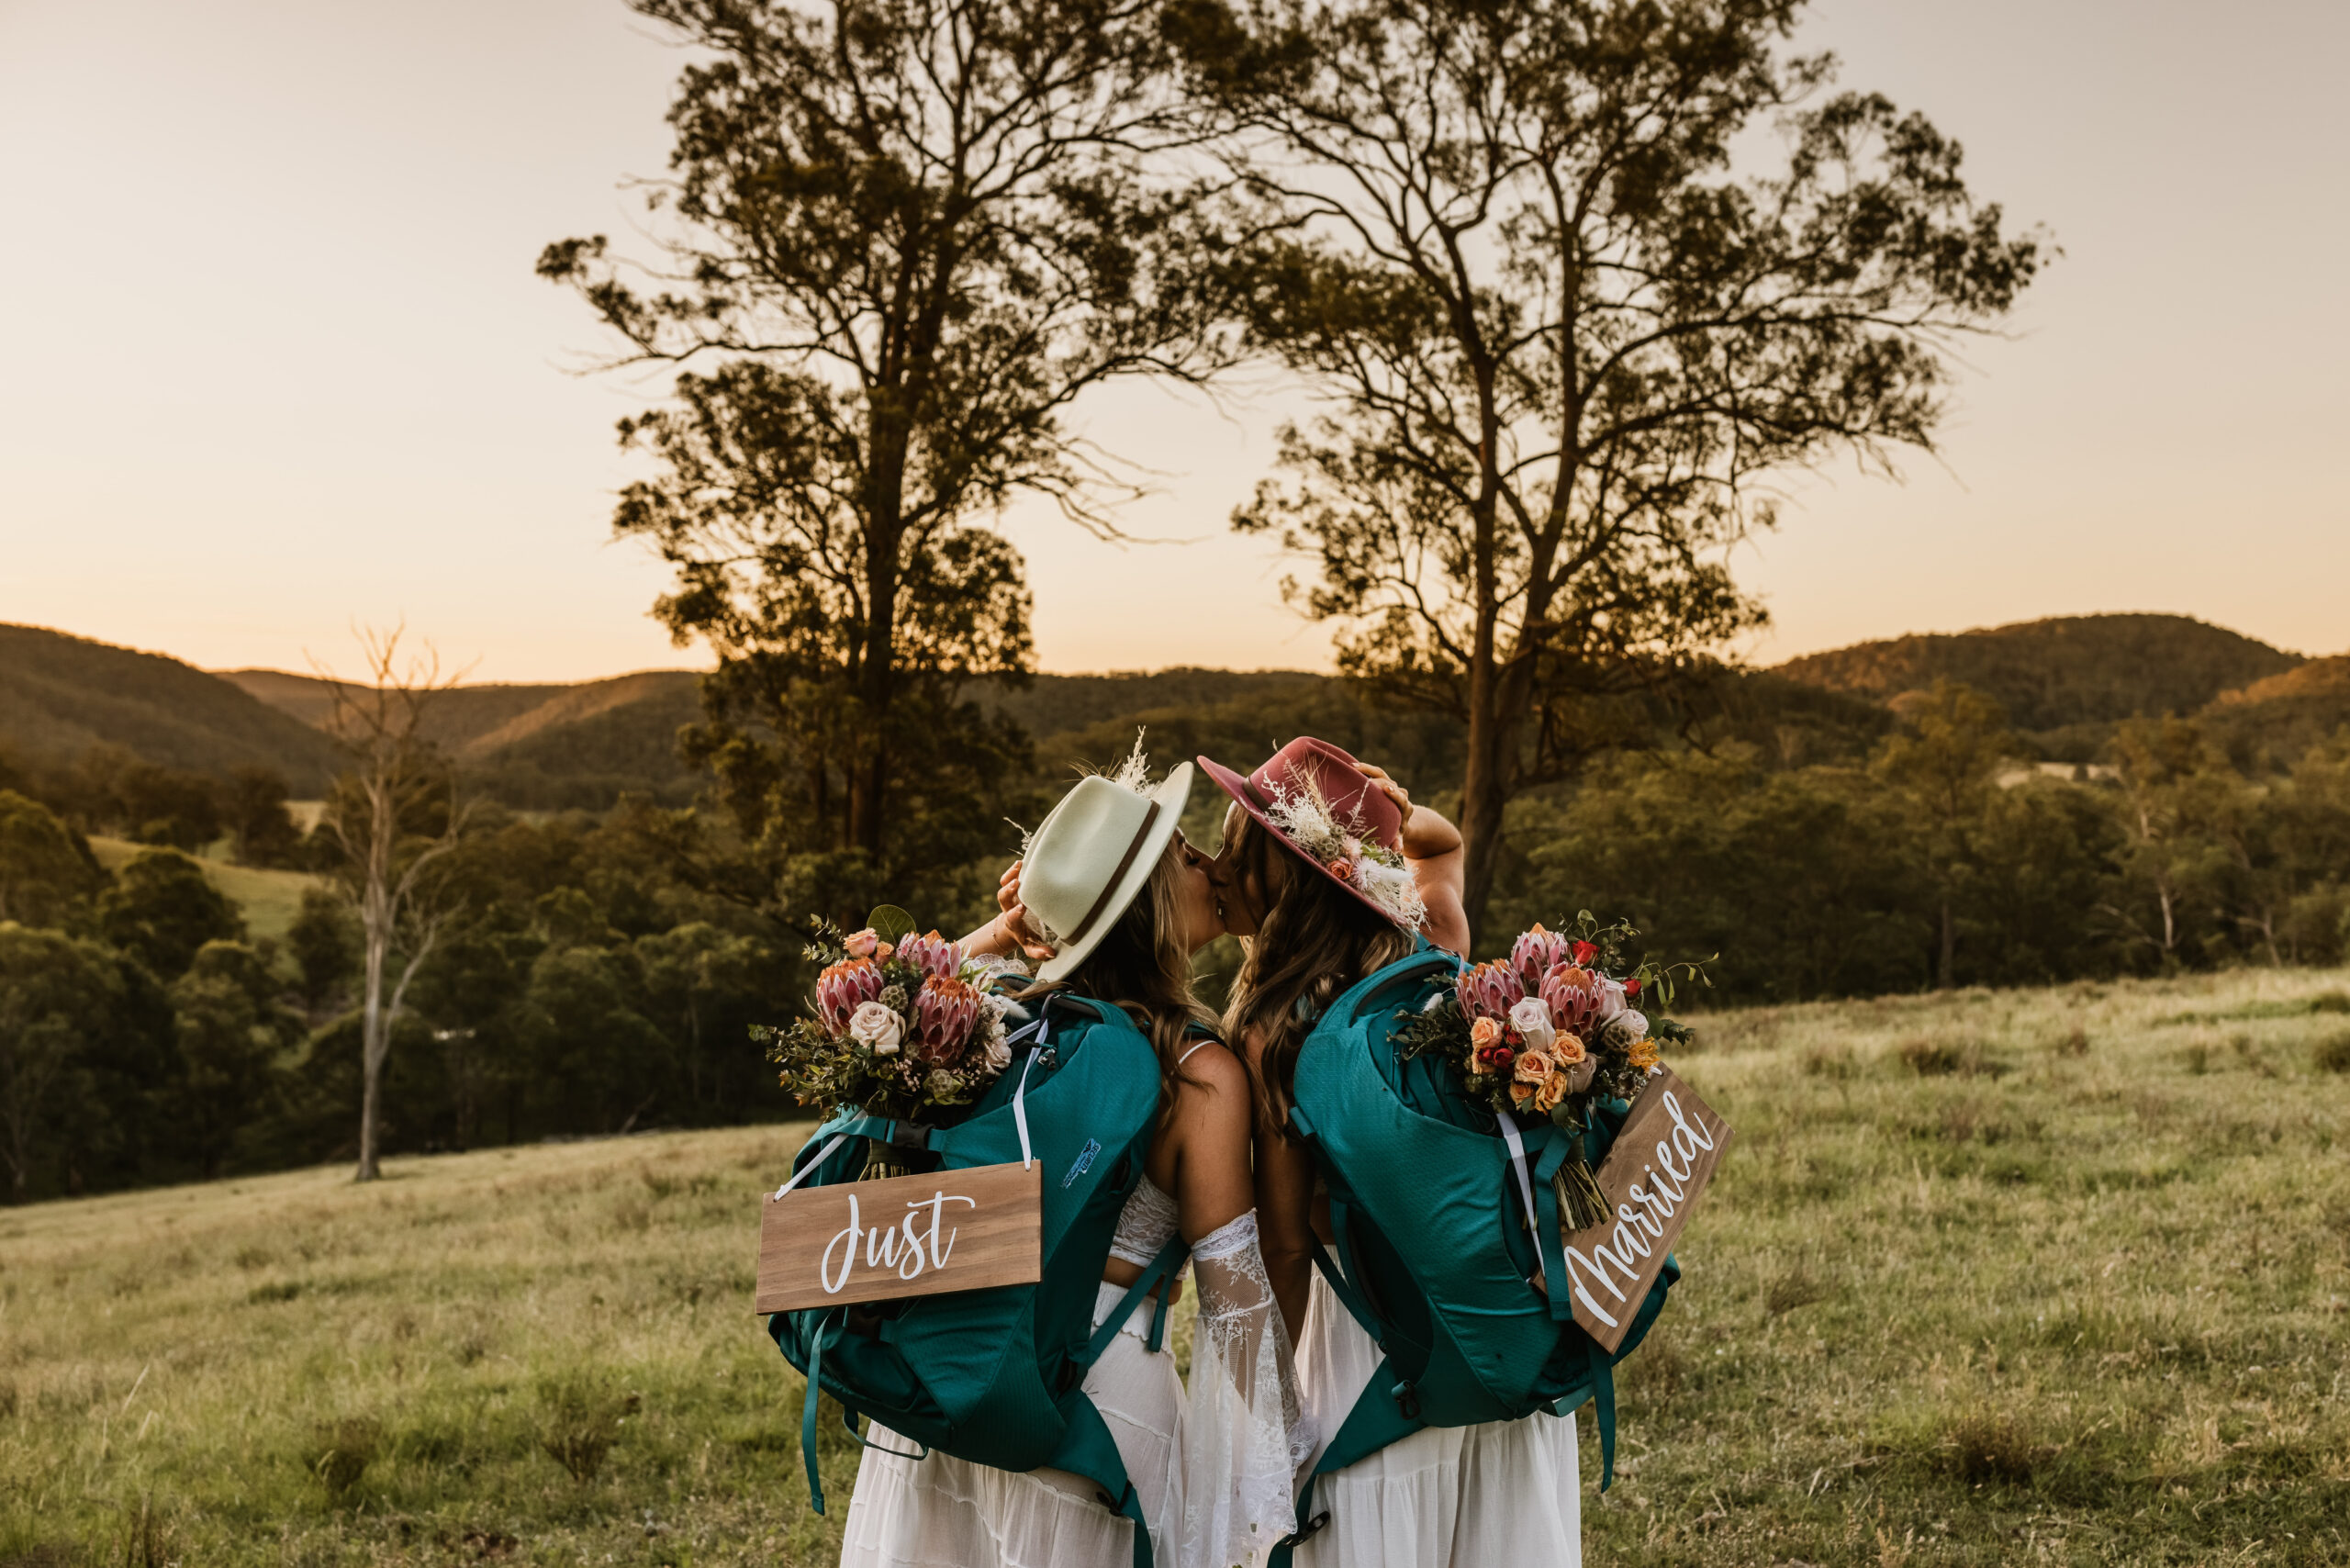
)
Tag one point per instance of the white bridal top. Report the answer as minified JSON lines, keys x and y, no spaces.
{"x":1244,"y":1433}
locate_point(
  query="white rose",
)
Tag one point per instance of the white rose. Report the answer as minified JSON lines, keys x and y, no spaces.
{"x":1532,"y":1020}
{"x":999,"y":1056}
{"x":877,"y":1028}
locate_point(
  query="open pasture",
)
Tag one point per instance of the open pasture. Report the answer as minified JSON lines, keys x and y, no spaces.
{"x":2054,"y":1276}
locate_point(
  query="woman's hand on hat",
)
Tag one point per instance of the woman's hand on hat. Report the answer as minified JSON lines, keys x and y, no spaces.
{"x":1389,"y":787}
{"x":1015,"y":916}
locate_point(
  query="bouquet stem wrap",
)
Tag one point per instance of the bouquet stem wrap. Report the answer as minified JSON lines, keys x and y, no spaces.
{"x":883,"y":1160}
{"x":1581,"y":1205}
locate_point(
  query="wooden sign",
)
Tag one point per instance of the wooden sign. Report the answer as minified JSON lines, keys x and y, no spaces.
{"x":1651,"y":1177}
{"x":953,"y":1230}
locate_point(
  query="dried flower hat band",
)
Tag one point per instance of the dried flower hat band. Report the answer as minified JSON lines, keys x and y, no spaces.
{"x":1314,"y":798}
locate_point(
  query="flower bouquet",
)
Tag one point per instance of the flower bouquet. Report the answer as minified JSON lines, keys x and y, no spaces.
{"x":904,"y":1026}
{"x":1549,"y":1031}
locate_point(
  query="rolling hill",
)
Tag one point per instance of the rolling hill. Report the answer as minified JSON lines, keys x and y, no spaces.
{"x":546,"y":747}
{"x":555,"y":745}
{"x":60,"y":695}
{"x":2073,"y":670}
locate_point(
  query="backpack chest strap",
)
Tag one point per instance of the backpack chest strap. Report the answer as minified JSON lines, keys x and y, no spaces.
{"x":1159,"y":1270}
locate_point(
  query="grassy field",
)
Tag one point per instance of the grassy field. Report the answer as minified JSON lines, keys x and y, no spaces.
{"x":270,"y":900}
{"x":1997,"y":1277}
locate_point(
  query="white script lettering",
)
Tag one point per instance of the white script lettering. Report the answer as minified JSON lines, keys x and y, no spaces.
{"x":905,"y":1249}
{"x":848,"y":1260}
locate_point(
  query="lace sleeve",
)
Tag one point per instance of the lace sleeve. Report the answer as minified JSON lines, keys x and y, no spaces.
{"x":1244,"y":1433}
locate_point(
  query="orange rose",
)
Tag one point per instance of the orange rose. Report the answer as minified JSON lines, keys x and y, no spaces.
{"x":1533,"y":1067}
{"x":1520,"y":1094}
{"x":1486,"y":1034}
{"x":1554,"y":1089}
{"x":1569,"y":1050}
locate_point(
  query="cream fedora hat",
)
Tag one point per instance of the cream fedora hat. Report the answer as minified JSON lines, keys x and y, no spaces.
{"x":1092,"y":857}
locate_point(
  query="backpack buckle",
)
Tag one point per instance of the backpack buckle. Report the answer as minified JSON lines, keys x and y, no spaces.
{"x":1407,"y":1400}
{"x":1305,"y":1531}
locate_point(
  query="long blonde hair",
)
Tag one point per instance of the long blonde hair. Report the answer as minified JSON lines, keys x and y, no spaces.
{"x":1142,"y":966}
{"x":1313,"y":940}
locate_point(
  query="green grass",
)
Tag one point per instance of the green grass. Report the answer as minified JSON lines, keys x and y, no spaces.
{"x":270,"y":899}
{"x":1999,"y":1277}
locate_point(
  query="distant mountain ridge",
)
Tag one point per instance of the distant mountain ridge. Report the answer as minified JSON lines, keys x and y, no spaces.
{"x":2080,"y":670}
{"x":60,"y":695}
{"x":555,"y":745}
{"x":473,"y":721}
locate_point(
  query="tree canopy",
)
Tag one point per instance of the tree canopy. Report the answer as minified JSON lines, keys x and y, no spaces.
{"x":1568,"y":324}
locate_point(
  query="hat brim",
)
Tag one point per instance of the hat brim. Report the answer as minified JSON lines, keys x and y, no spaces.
{"x":1169,"y":797}
{"x":1248,"y":797}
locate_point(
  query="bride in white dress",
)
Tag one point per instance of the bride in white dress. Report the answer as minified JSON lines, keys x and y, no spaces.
{"x":1506,"y":1492}
{"x":1118,"y":923}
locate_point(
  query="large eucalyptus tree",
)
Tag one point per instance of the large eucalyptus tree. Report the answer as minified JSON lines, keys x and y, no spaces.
{"x":1575,"y":278}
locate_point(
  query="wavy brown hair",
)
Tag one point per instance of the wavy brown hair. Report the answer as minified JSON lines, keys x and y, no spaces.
{"x":1142,"y":968}
{"x":1313,"y":940}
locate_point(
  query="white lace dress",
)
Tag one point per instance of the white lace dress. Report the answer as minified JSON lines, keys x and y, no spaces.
{"x":1212,"y":1474}
{"x":1506,"y":1492}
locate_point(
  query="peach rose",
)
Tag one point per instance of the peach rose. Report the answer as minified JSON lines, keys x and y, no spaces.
{"x":1568,"y":1050}
{"x":1533,"y":1067}
{"x":861,"y":944}
{"x":1520,"y":1093}
{"x":1554,"y":1089}
{"x":1486,"y":1034}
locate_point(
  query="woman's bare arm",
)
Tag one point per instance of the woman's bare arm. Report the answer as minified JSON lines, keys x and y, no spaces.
{"x":1432,"y":847}
{"x":1284,"y":1184}
{"x":1210,"y":1134}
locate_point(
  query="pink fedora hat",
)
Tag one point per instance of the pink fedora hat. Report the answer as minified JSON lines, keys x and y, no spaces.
{"x":1312,"y":797}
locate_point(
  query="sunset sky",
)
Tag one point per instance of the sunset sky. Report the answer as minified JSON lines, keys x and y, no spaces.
{"x":277,"y":361}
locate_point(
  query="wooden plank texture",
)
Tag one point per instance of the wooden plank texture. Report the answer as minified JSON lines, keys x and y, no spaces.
{"x":1652,"y":1178}
{"x":909,"y":1236}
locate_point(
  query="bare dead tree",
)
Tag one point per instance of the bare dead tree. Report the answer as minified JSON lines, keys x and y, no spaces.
{"x":395,"y":815}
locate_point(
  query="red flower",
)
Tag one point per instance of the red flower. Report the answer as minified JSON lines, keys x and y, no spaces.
{"x":1496,"y":1059}
{"x":1586,"y":952}
{"x":1631,"y":988}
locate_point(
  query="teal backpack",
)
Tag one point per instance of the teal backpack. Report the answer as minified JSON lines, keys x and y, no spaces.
{"x":993,"y":1375}
{"x":1442,"y":1226}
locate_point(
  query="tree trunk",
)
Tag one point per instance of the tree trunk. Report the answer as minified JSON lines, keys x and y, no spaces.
{"x":1484,"y":795}
{"x":1946,"y":973}
{"x":374,"y":1032}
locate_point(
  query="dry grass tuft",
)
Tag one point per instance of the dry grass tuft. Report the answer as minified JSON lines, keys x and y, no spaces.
{"x":579,"y":1420}
{"x":342,"y":1451}
{"x":1987,"y":1446}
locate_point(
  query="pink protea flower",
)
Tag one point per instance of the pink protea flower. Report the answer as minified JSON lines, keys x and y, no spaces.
{"x":1489,"y":990}
{"x":945,"y":1011}
{"x":1573,"y":997}
{"x":1536,"y":953}
{"x":931,"y":955}
{"x":844,"y":987}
